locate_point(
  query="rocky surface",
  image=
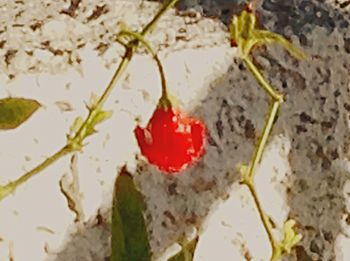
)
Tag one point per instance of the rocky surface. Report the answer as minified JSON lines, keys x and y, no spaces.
{"x":315,"y":116}
{"x":304,"y":174}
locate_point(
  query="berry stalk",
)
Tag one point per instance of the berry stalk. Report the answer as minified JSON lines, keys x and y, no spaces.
{"x":75,"y":143}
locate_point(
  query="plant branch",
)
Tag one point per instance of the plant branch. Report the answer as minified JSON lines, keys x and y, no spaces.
{"x":264,"y":218}
{"x":264,"y":137}
{"x":245,"y":36}
{"x":248,"y":178}
{"x":164,"y":100}
{"x":260,"y":78}
{"x":75,"y":143}
{"x":11,"y":186}
{"x":165,"y":7}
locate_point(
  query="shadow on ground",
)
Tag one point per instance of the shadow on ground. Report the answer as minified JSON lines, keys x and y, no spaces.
{"x":314,"y":118}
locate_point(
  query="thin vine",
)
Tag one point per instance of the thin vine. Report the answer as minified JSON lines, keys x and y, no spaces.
{"x":84,"y":128}
{"x":245,"y":36}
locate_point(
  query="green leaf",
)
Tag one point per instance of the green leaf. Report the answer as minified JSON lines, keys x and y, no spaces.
{"x":243,"y":170}
{"x":78,"y":122}
{"x":245,"y":35}
{"x":15,"y":111}
{"x":187,"y":251}
{"x":101,"y":116}
{"x":291,"y":237}
{"x":129,"y":234}
{"x":98,"y":117}
{"x":264,"y":36}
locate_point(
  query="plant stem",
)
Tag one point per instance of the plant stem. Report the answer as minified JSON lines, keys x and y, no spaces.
{"x":245,"y":36}
{"x":165,"y":7}
{"x":263,"y":139}
{"x":164,"y":100}
{"x":75,"y":143}
{"x":258,"y":76}
{"x":264,"y":218}
{"x":11,"y":186}
{"x":248,"y":180}
{"x":132,"y":46}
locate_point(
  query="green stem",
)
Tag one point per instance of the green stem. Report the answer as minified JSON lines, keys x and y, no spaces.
{"x":276,"y":254}
{"x":264,"y":218}
{"x":164,"y":100}
{"x":260,"y":78}
{"x":165,"y":7}
{"x":246,"y":36}
{"x":11,"y":186}
{"x":249,"y":178}
{"x":131,"y":47}
{"x":74,"y":143}
{"x":263,"y":139}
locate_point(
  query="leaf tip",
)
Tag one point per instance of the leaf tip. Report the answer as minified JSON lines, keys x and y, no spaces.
{"x":124,"y":171}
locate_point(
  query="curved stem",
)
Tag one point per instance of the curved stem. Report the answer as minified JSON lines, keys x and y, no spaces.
{"x":129,"y":52}
{"x":131,"y":47}
{"x":164,"y":100}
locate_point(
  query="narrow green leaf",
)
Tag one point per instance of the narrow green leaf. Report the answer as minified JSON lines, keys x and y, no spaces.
{"x":101,"y":116}
{"x":15,"y":111}
{"x":129,"y":234}
{"x":187,"y":251}
{"x":78,"y":122}
{"x":264,"y":36}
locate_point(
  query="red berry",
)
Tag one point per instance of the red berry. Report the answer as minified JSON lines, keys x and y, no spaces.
{"x":171,"y":140}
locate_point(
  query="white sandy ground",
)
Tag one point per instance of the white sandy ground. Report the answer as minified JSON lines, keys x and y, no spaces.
{"x":36,"y":222}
